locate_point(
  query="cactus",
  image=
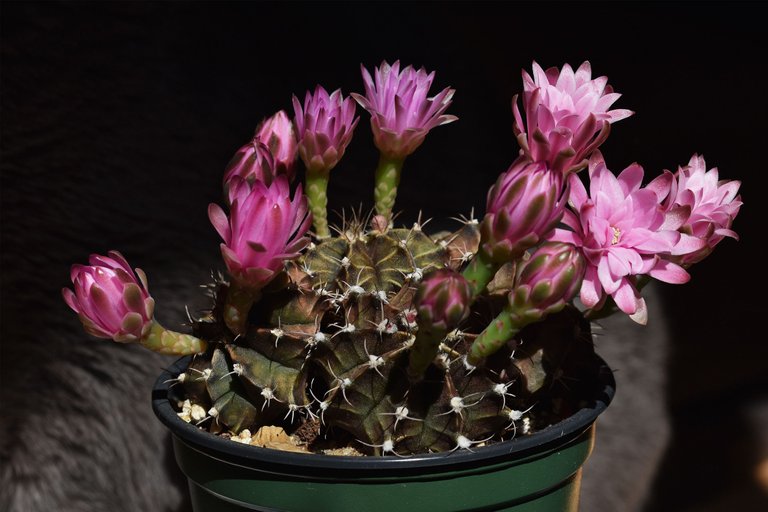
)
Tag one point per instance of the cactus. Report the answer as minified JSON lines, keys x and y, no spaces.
{"x":394,"y":341}
{"x":334,"y":345}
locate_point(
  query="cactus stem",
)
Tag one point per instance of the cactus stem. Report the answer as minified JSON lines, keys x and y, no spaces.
{"x":238,"y":304}
{"x":161,"y":340}
{"x":502,"y":329}
{"x":479,"y":273}
{"x":317,"y":196}
{"x":387,"y":181}
{"x":424,"y":350}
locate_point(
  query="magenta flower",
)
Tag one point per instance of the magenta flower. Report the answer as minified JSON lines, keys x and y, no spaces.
{"x":523,"y":208}
{"x":566,"y":115}
{"x":548,"y":279}
{"x":711,"y":206}
{"x":621,"y":230}
{"x":252,"y":162}
{"x":109,"y":298}
{"x":443,"y":300}
{"x":278,"y":135}
{"x":401,"y":112}
{"x":324,"y":128}
{"x":265,"y":228}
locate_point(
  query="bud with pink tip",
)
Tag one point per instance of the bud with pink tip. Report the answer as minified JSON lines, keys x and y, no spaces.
{"x":443,"y":300}
{"x":523,"y":207}
{"x":113,"y":302}
{"x":278,"y":135}
{"x":548,"y":279}
{"x":252,"y":162}
{"x":566,"y":115}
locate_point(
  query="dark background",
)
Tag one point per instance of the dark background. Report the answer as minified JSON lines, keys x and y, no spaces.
{"x":102,"y":104}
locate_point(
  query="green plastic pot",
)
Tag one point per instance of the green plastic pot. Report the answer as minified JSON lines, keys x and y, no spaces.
{"x":539,"y":472}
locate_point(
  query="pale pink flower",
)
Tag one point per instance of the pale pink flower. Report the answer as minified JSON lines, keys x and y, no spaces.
{"x":707,"y":205}
{"x":277,"y":134}
{"x":324,"y":128}
{"x":566,"y":115}
{"x":265,"y":228}
{"x":523,"y":208}
{"x":401,"y":112}
{"x":111,"y":301}
{"x":620,"y":227}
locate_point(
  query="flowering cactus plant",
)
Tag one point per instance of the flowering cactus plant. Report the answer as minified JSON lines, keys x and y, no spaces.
{"x":394,"y":341}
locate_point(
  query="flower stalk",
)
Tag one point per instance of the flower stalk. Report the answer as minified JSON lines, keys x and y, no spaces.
{"x":171,"y":343}
{"x":387,"y":181}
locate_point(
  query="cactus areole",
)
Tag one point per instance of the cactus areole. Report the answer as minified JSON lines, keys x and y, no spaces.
{"x":367,"y":347}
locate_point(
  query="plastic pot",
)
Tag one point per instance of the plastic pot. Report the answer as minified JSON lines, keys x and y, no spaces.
{"x":539,"y":472}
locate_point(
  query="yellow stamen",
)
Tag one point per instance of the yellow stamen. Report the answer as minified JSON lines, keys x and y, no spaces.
{"x":616,"y":235}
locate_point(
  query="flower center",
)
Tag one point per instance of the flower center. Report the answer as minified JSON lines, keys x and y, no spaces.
{"x":616,"y":235}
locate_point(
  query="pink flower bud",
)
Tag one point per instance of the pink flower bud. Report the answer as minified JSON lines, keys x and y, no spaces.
{"x":324,"y":128}
{"x":252,"y":162}
{"x":265,"y":228}
{"x":523,"y":207}
{"x":548,"y":279}
{"x":401,"y":112}
{"x":566,"y":115}
{"x":109,"y":298}
{"x":277,"y":134}
{"x":443,"y":300}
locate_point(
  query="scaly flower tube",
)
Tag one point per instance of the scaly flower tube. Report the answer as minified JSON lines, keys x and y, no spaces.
{"x":252,"y":162}
{"x":324,"y":128}
{"x":113,"y":303}
{"x":442,"y":302}
{"x":401,"y":117}
{"x":620,"y":228}
{"x":523,"y":208}
{"x":711,"y":205}
{"x":544,"y":284}
{"x":566,"y":115}
{"x":265,"y":228}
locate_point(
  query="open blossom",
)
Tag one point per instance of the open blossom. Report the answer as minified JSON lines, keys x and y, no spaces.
{"x":401,"y":112}
{"x":620,"y":227}
{"x":710,"y":205}
{"x":265,"y":228}
{"x":324,"y":127}
{"x":278,"y":135}
{"x":111,"y":301}
{"x":523,"y":208}
{"x":566,"y":115}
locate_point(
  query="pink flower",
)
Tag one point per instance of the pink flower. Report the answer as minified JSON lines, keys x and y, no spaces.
{"x":265,"y":228}
{"x":621,"y":230}
{"x":324,"y":128}
{"x":401,"y":112}
{"x":523,"y":208}
{"x":252,"y":162}
{"x":566,"y":115}
{"x":109,"y":298}
{"x":708,"y":206}
{"x":277,"y":134}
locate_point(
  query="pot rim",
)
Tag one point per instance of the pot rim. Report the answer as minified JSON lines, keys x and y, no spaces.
{"x":552,"y":436}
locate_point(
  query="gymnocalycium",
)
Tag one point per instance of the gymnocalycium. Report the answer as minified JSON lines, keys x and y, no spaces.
{"x":394,"y":340}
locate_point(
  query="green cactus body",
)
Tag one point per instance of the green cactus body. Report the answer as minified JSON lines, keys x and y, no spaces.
{"x":332,"y":348}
